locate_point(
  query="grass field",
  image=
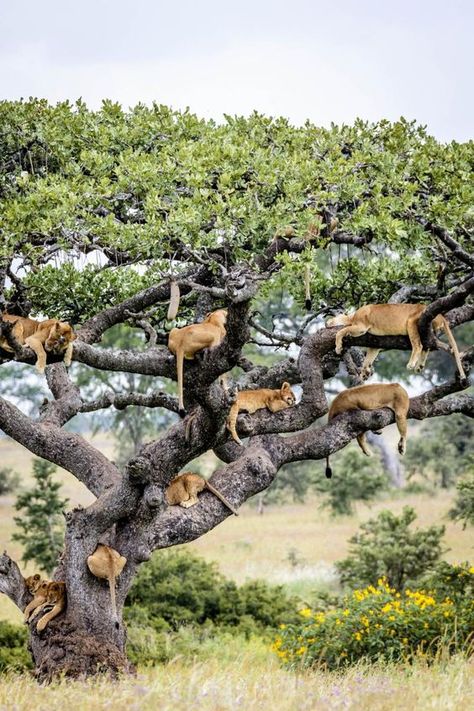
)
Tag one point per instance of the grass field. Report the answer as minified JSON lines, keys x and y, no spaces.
{"x":296,"y":545}
{"x":248,"y":678}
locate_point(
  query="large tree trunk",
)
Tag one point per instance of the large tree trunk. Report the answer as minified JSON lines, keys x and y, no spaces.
{"x":86,"y":638}
{"x":64,"y":649}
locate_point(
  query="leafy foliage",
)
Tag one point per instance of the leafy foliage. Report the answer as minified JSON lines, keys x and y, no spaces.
{"x":134,"y":185}
{"x":380,"y":623}
{"x":159,"y":598}
{"x":443,"y":448}
{"x":14,"y":655}
{"x":9,"y":480}
{"x":387,"y":547}
{"x":166,"y":617}
{"x":355,"y":478}
{"x":41,"y":523}
{"x":463,"y":509}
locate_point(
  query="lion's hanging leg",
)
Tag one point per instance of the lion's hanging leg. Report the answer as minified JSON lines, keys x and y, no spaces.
{"x":369,"y":359}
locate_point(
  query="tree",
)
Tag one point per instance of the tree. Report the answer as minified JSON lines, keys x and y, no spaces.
{"x":41,"y":523}
{"x":463,"y":509}
{"x":443,"y":448}
{"x":387,"y":547}
{"x":9,"y":480}
{"x":99,"y":210}
{"x":355,"y":478}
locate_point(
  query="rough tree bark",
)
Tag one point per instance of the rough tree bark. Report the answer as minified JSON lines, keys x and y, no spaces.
{"x":129,"y":512}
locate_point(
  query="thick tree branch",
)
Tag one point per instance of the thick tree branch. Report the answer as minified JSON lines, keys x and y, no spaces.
{"x":92,"y":330}
{"x":122,"y":400}
{"x":441,"y":306}
{"x":66,"y":449}
{"x":12,"y":583}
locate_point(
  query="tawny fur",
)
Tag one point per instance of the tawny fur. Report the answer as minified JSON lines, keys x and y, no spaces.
{"x":187,"y":341}
{"x":392,"y":320}
{"x":373,"y":397}
{"x":37,"y":587}
{"x":55,"y":596}
{"x":107,"y":563}
{"x":252,"y":400}
{"x":183,"y":491}
{"x":49,"y":336}
{"x":174,"y":301}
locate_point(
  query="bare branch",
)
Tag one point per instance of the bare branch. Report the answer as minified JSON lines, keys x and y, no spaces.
{"x":457,"y":251}
{"x":122,"y":400}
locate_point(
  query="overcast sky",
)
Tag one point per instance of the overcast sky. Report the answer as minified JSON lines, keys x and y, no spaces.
{"x":325,"y":61}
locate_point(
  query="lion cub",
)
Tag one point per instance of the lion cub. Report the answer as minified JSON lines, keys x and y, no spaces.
{"x":373,"y":397}
{"x":37,"y":587}
{"x":392,"y":320}
{"x":187,"y":341}
{"x":107,"y":563}
{"x":183,"y":490}
{"x":253,"y":400}
{"x":45,"y":594}
{"x":50,"y":336}
{"x":55,"y":597}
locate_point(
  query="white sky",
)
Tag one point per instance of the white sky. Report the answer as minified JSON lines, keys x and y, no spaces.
{"x":326,"y":61}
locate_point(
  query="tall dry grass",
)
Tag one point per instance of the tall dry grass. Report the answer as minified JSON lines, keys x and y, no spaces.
{"x":250,"y":679}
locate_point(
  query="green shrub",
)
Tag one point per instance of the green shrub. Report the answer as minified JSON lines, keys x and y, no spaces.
{"x":380,"y":623}
{"x":386,"y":546}
{"x":355,"y":478}
{"x":13,"y":651}
{"x":9,"y":480}
{"x":177,"y":588}
{"x":463,"y":509}
{"x":448,"y":580}
{"x":443,"y":448}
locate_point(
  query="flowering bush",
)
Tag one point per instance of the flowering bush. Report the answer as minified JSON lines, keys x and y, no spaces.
{"x":381,"y":623}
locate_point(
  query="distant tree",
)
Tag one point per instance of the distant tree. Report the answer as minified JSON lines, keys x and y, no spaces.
{"x":387,"y":546}
{"x":355,"y":478}
{"x":443,"y":449}
{"x":9,"y":480}
{"x":463,"y":509}
{"x":41,"y":522}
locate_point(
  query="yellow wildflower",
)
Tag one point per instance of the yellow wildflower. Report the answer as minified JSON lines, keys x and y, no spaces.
{"x":306,"y":612}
